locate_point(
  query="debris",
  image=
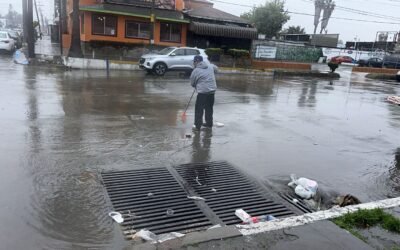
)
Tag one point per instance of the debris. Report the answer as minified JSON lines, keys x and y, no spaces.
{"x":196,"y":198}
{"x":146,"y":235}
{"x":20,"y":58}
{"x":169,"y":236}
{"x":214,"y":227}
{"x":245,"y":217}
{"x":303,"y":187}
{"x":197,"y":180}
{"x":219,"y":124}
{"x":150,"y":194}
{"x":142,"y":118}
{"x":116,"y":216}
{"x":153,"y":238}
{"x":394,"y":99}
{"x":188,"y":136}
{"x":170,"y":212}
{"x":347,"y":200}
{"x":214,"y":190}
{"x":295,"y":201}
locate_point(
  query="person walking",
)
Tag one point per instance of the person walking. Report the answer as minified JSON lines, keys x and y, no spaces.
{"x":203,"y":80}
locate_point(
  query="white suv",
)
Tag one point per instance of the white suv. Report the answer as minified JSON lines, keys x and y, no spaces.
{"x":6,"y":41}
{"x":171,"y":58}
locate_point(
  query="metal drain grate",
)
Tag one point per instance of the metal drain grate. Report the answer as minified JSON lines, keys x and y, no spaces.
{"x":226,"y":189}
{"x":152,"y":199}
{"x":299,"y":204}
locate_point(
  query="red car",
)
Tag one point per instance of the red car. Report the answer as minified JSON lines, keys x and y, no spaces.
{"x":342,"y":59}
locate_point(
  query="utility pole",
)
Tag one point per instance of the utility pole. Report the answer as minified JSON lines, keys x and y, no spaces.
{"x":30,"y":30}
{"x":24,"y":26}
{"x":152,"y":20}
{"x":60,"y":25}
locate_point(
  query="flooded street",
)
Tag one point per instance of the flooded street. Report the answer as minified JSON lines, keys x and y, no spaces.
{"x":60,"y":129}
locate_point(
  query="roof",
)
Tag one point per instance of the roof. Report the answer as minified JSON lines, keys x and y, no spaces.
{"x":136,"y":11}
{"x":215,"y":14}
{"x":221,"y":30}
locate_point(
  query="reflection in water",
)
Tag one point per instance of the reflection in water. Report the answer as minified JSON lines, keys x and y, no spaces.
{"x":201,"y":146}
{"x":307,"y":97}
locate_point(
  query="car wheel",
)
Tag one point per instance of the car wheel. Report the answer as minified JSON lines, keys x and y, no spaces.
{"x":160,"y":69}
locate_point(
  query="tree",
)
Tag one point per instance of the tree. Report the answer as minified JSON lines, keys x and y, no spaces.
{"x":75,"y":50}
{"x":297,"y":30}
{"x":13,"y":18}
{"x":269,"y":18}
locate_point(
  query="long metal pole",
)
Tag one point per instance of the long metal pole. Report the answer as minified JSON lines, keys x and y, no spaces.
{"x":60,"y":25}
{"x":24,"y":18}
{"x":30,"y":30}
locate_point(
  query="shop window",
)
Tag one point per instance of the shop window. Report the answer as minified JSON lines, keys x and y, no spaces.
{"x":104,"y":25}
{"x":137,"y":30}
{"x":170,"y":32}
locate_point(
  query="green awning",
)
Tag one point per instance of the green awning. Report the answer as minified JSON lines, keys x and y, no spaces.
{"x":135,"y":11}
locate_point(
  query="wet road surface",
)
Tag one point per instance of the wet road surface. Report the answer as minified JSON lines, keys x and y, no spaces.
{"x":60,"y":129}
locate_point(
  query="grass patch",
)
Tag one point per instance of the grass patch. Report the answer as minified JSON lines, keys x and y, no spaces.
{"x":368,"y":218}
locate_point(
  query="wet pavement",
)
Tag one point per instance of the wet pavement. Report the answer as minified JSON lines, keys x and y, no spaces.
{"x":60,"y":129}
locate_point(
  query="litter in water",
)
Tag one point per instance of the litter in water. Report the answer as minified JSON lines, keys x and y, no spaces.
{"x":20,"y":58}
{"x":214,"y":190}
{"x":153,"y":238}
{"x":394,"y":99}
{"x":198,"y":198}
{"x":214,"y":227}
{"x":245,"y":217}
{"x":303,"y":187}
{"x":117,"y":217}
{"x":150,"y":194}
{"x":219,"y":124}
{"x":188,"y":136}
{"x":198,"y":181}
{"x":170,"y":212}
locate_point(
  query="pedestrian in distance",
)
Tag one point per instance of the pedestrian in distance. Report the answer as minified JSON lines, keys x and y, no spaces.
{"x":203,"y":80}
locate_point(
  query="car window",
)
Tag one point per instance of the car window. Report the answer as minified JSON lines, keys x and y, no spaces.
{"x":3,"y":35}
{"x":165,"y":51}
{"x":192,"y":52}
{"x":179,"y":52}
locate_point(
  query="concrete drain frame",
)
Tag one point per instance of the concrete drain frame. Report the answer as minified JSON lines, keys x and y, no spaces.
{"x":156,"y":199}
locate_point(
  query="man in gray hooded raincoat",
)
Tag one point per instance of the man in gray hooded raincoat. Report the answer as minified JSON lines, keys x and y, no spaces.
{"x":203,"y":80}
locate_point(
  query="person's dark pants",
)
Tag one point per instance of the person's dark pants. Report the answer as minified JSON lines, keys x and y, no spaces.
{"x":204,"y":102}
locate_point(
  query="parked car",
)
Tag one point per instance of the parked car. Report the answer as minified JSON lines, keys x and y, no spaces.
{"x":398,"y":76}
{"x":392,"y":61}
{"x":171,"y":58}
{"x":372,"y":62}
{"x":17,"y":38}
{"x":342,"y":59}
{"x":6,"y":42}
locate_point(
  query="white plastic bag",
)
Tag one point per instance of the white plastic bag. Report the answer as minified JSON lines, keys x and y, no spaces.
{"x":303,"y":187}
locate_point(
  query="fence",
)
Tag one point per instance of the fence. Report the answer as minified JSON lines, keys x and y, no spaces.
{"x":282,"y":51}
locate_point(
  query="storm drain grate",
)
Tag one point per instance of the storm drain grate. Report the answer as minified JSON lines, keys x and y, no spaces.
{"x":152,"y":199}
{"x":226,"y":189}
{"x":296,"y":201}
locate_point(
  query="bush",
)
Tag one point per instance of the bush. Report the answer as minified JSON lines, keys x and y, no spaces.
{"x":333,"y":66}
{"x":214,"y":52}
{"x":239,"y":53}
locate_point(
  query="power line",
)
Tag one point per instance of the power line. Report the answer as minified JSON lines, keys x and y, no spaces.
{"x":307,"y":14}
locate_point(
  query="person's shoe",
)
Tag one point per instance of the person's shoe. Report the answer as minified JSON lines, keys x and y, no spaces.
{"x":207,"y":125}
{"x":195,"y":129}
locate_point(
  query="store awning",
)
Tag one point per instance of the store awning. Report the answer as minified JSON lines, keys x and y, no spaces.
{"x":210,"y":29}
{"x":135,"y":11}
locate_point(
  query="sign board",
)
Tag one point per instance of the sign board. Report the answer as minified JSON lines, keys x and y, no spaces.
{"x":266,"y":52}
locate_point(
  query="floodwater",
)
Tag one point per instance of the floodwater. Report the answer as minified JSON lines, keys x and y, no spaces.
{"x":60,"y":129}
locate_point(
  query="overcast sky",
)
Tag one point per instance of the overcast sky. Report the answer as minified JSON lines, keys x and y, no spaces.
{"x":347,"y":29}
